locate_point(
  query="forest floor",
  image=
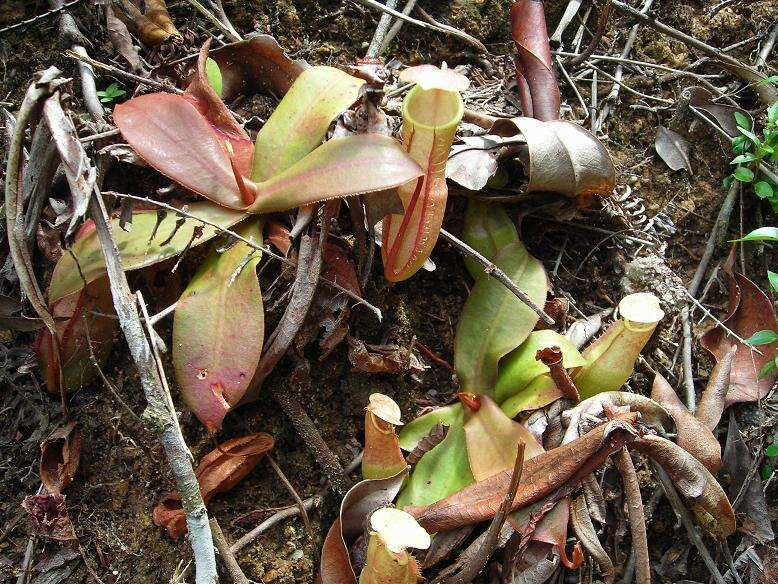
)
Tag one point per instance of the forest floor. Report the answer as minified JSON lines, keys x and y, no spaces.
{"x":123,"y":471}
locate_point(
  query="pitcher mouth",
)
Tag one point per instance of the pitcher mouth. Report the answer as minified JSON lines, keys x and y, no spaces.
{"x":433,"y":109}
{"x":640,"y":311}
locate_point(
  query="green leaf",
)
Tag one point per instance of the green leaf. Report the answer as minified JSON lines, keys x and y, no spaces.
{"x":762,"y":338}
{"x":773,"y":278}
{"x":743,"y":158}
{"x":214,"y":75}
{"x":728,"y":181}
{"x":299,"y":123}
{"x":768,"y":367}
{"x":442,"y":471}
{"x":135,"y":249}
{"x":763,"y":189}
{"x":218,"y":329}
{"x":520,"y":368}
{"x":772,"y":112}
{"x":766,"y":80}
{"x":751,"y":136}
{"x":742,"y":120}
{"x":487,"y":229}
{"x":494,"y":322}
{"x":771,"y":450}
{"x":740,"y":144}
{"x":743,"y":174}
{"x":767,"y":471}
{"x":414,"y":431}
{"x":761,"y":234}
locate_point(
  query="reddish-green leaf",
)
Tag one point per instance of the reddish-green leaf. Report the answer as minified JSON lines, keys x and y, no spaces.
{"x":74,"y":313}
{"x":219,"y":329}
{"x":137,"y":248}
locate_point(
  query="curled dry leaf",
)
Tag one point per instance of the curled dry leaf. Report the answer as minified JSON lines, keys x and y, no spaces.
{"x":673,"y":149}
{"x":219,"y":471}
{"x":60,"y":454}
{"x":581,"y":521}
{"x":713,"y":399}
{"x":723,"y":115}
{"x":278,"y":235}
{"x":692,"y":435}
{"x":545,"y":473}
{"x":538,"y":89}
{"x":91,"y":308}
{"x":473,"y":162}
{"x":358,"y":504}
{"x":382,"y":358}
{"x":561,"y":157}
{"x":739,"y":465}
{"x":750,"y":311}
{"x":121,"y":39}
{"x":49,"y":516}
{"x":153,"y":26}
{"x":705,"y":496}
{"x":256,"y":65}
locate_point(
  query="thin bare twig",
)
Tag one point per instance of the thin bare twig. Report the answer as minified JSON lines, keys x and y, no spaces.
{"x":492,"y":270}
{"x":158,"y":414}
{"x":602,"y":23}
{"x":292,"y":491}
{"x":407,"y":9}
{"x":226,"y":28}
{"x":686,"y":519}
{"x":428,"y":26}
{"x":226,"y":555}
{"x":637,"y":517}
{"x":373,"y":50}
{"x":164,"y":86}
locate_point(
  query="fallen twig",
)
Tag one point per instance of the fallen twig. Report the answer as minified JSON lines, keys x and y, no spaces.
{"x":310,"y":503}
{"x":602,"y":24}
{"x":264,"y":249}
{"x":162,"y":85}
{"x":636,"y":514}
{"x":292,"y":491}
{"x":429,"y":26}
{"x":492,"y":270}
{"x":407,"y":9}
{"x":157,"y":414}
{"x":225,"y":27}
{"x":226,"y":555}
{"x":373,"y":50}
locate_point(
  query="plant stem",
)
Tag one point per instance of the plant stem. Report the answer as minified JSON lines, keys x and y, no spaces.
{"x":226,"y":555}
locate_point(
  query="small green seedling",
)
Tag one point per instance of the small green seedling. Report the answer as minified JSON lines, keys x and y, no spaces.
{"x":750,"y":151}
{"x":111,"y":93}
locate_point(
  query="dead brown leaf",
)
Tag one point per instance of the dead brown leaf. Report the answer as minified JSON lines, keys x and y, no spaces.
{"x":702,"y":492}
{"x":219,"y":471}
{"x":723,"y":115}
{"x":382,"y":358}
{"x":153,"y":26}
{"x":361,"y":500}
{"x":60,"y":455}
{"x":121,"y":39}
{"x":673,"y":149}
{"x":750,"y":311}
{"x":692,"y":435}
{"x":278,"y":235}
{"x":545,"y":473}
{"x":49,"y":516}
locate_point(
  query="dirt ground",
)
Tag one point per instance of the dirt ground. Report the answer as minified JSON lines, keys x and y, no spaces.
{"x":123,"y":472}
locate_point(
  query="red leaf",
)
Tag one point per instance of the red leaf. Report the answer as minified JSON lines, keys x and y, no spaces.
{"x":50,"y":516}
{"x":538,"y":88}
{"x":750,"y":311}
{"x":60,"y":454}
